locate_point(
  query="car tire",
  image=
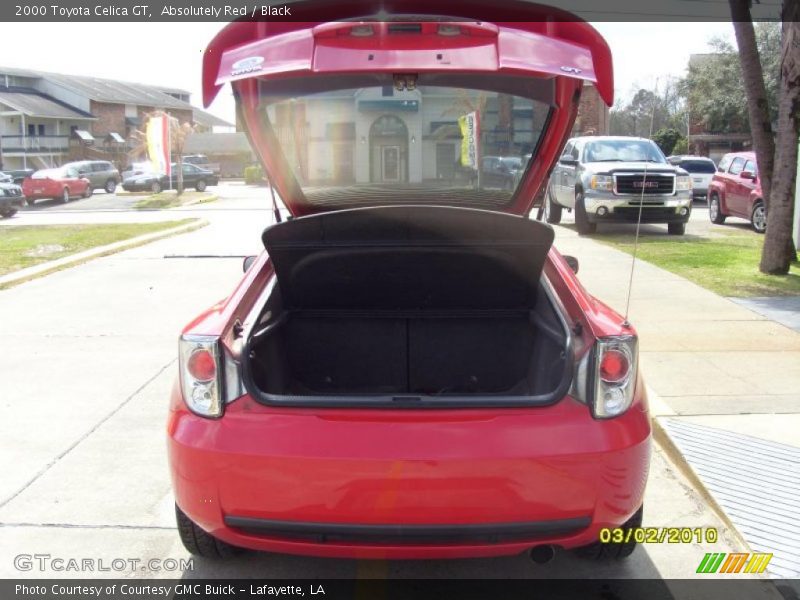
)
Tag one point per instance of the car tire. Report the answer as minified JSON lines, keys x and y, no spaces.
{"x":30,"y":201}
{"x":758,"y":217}
{"x":553,"y":210}
{"x":612,"y":550}
{"x":155,"y":187}
{"x":8,"y":213}
{"x":65,"y":196}
{"x":715,"y":210}
{"x":89,"y":191}
{"x":676,"y":228}
{"x":200,"y":186}
{"x":581,"y":219}
{"x":200,"y":543}
{"x":110,"y":187}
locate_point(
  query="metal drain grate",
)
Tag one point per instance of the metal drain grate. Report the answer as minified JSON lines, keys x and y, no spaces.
{"x":755,"y":481}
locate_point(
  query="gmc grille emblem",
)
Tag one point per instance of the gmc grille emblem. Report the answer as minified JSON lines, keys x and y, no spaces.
{"x":645,"y":184}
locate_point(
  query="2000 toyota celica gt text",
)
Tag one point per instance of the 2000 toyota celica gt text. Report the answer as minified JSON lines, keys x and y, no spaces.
{"x":410,"y":369}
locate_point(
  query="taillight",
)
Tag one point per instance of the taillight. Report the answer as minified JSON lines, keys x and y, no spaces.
{"x":200,"y":371}
{"x":614,"y":381}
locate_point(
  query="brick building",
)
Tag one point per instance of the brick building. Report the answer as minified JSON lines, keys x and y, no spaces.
{"x":592,"y":116}
{"x":47,"y":119}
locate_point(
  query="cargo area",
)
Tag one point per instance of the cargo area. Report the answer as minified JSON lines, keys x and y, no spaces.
{"x":408,"y":303}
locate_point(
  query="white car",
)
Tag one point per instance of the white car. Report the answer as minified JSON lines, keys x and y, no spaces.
{"x":701,"y":169}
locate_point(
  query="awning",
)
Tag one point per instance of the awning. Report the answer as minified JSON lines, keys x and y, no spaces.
{"x":115,"y":137}
{"x":83,"y":135}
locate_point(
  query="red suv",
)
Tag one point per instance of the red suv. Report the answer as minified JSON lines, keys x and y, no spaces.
{"x":735,"y":191}
{"x":410,"y":369}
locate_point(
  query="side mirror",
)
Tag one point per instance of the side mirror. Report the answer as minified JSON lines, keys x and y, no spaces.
{"x":748,"y":175}
{"x":247,"y":262}
{"x":572,"y":262}
{"x":568,"y":160}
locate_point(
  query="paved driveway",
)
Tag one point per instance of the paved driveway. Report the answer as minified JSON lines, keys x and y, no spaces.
{"x":89,"y":359}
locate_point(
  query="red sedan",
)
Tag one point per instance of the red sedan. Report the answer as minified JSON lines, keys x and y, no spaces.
{"x":62,"y":183}
{"x":410,"y":369}
{"x":735,"y":191}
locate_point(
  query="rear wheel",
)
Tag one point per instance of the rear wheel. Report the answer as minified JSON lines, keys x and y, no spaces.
{"x":200,"y":543}
{"x":200,"y":186}
{"x":676,"y":228}
{"x":759,"y":217}
{"x":581,"y":219}
{"x":715,"y":210}
{"x":553,"y":210}
{"x":155,"y":187}
{"x":602,"y":551}
{"x":89,"y":191}
{"x":110,"y":186}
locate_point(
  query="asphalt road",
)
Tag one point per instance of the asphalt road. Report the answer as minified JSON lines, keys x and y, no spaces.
{"x":89,"y":359}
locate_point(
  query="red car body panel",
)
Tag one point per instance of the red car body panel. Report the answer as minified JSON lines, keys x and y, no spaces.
{"x":737,"y":194}
{"x":411,"y":467}
{"x":36,"y":189}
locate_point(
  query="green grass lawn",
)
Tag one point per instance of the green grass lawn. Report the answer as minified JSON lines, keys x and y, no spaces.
{"x":26,"y":246}
{"x":726,"y":263}
{"x":169,"y":199}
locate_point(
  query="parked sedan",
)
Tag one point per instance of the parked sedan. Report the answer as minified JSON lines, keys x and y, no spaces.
{"x":11,"y":198}
{"x":407,"y":370}
{"x":193,"y":176}
{"x":735,"y":191}
{"x":63,"y":183}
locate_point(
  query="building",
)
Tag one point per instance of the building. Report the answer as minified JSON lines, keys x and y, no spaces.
{"x":47,"y":119}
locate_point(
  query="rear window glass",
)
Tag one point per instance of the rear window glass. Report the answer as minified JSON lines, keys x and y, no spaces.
{"x":698,"y":166}
{"x":380,"y":145}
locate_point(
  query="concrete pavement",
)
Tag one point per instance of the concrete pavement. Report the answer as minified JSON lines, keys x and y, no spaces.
{"x":726,"y":381}
{"x":89,"y":360}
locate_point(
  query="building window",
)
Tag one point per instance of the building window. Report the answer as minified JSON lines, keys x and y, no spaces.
{"x":41,"y":129}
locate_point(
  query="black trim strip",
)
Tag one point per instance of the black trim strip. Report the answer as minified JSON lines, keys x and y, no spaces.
{"x":491,"y":533}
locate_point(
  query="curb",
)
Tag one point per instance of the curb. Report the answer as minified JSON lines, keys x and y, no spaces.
{"x":660,"y":410}
{"x":72,"y":260}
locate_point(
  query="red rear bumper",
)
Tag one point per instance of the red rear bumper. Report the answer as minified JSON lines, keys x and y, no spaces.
{"x":407,"y":484}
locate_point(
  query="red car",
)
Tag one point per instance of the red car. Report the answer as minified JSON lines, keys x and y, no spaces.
{"x":735,"y":191}
{"x":62,"y":183}
{"x":410,"y":370}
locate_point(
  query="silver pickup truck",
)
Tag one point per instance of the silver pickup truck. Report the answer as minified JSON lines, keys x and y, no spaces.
{"x":607,"y":178}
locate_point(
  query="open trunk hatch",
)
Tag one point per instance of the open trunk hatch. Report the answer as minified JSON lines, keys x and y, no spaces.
{"x":409,"y":305}
{"x":459,"y":106}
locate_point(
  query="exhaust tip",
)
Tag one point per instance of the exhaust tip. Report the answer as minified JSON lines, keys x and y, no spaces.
{"x":542,"y":554}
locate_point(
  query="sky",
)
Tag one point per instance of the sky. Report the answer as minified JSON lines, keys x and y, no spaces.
{"x":169,"y":54}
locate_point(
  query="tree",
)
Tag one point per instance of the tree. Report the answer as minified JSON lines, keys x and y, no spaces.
{"x":777,"y":158}
{"x":667,"y":139}
{"x":714,"y":88}
{"x":178,"y":133}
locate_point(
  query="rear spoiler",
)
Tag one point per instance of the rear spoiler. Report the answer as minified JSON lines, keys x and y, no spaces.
{"x":246,"y":48}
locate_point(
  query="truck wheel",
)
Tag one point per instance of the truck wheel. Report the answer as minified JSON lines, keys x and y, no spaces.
{"x":715,"y":209}
{"x":200,"y":543}
{"x":581,"y":219}
{"x":759,"y":217}
{"x":602,"y":551}
{"x":553,"y":210}
{"x":676,"y":228}
{"x":7,"y":213}
{"x":110,"y":186}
